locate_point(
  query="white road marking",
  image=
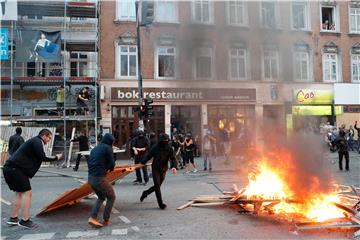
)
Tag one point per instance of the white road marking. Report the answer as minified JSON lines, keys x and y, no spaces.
{"x":37,"y":236}
{"x":115,"y":211}
{"x":135,"y":228}
{"x":4,"y":201}
{"x":76,"y":234}
{"x":123,"y":231}
{"x":124,"y":219}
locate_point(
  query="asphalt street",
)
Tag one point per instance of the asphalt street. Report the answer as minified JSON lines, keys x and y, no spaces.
{"x":132,"y":219}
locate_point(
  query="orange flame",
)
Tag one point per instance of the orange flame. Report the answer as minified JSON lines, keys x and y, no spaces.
{"x":269,"y":181}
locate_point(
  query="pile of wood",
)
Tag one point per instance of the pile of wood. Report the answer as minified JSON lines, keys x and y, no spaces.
{"x":237,"y":197}
{"x":349,"y":196}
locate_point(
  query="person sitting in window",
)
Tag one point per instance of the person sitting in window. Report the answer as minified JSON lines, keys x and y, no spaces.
{"x":325,"y":25}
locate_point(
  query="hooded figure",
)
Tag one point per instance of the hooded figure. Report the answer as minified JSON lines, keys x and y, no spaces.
{"x":101,"y":160}
{"x":140,"y":146}
{"x":161,"y":154}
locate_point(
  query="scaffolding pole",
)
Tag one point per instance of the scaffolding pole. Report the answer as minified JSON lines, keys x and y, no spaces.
{"x":11,"y":72}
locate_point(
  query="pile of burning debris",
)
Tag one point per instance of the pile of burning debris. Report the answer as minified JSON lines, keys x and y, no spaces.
{"x":268,"y":192}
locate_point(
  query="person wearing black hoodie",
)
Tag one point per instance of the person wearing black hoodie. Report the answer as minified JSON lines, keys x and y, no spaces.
{"x":140,"y":146}
{"x":22,"y":166}
{"x":83,"y":146}
{"x":161,"y":154}
{"x":15,"y":141}
{"x":101,"y":161}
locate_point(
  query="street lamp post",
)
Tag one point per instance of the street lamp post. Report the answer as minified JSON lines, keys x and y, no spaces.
{"x":141,"y":122}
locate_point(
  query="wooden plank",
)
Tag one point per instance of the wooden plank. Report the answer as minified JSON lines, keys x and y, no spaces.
{"x":357,"y":193}
{"x":188,"y":204}
{"x":349,"y":225}
{"x":70,"y":148}
{"x":206,"y":204}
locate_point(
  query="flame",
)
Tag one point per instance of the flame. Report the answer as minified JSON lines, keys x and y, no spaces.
{"x":268,"y":181}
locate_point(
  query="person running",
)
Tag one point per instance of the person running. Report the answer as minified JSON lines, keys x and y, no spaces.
{"x":15,"y":141}
{"x":161,"y":154}
{"x":18,"y":170}
{"x":101,"y":161}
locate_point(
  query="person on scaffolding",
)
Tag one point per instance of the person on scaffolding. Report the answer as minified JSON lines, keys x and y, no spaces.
{"x":82,"y":102}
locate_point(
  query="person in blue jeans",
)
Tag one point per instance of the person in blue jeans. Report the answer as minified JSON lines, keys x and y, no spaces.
{"x":101,"y":161}
{"x":207,"y":151}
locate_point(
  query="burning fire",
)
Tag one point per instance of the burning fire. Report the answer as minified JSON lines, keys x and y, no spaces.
{"x":270,"y":182}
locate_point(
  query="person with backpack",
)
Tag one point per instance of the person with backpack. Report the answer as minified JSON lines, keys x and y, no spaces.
{"x":15,"y":141}
{"x":343,"y":150}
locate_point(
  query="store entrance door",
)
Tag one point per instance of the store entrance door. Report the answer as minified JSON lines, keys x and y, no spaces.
{"x":187,"y":119}
{"x":124,"y":123}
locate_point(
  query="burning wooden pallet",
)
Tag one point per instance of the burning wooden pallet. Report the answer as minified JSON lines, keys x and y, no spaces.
{"x":351,"y":212}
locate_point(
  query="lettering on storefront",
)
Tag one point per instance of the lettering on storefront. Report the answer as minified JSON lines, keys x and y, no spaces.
{"x":176,"y":94}
{"x":311,"y":96}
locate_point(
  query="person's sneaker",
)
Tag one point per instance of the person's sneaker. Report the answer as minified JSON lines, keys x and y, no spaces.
{"x":75,"y":169}
{"x":205,"y":169}
{"x":210,"y":169}
{"x":143,"y":196}
{"x":195,"y":170}
{"x":106,"y":223}
{"x":13,"y":221}
{"x":187,"y":172}
{"x":145,"y":183}
{"x":95,"y":223}
{"x":27,"y":224}
{"x":162,"y":206}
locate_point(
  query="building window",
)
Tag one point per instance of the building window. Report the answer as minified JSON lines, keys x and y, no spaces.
{"x":237,"y":13}
{"x":271,"y":65}
{"x":204,"y":63}
{"x":165,"y":67}
{"x":78,"y":64}
{"x":329,"y":18}
{"x":125,"y":10}
{"x":355,"y":67}
{"x":127,"y":61}
{"x":300,"y":16}
{"x":354,"y":20}
{"x":238,"y":63}
{"x":301,"y":65}
{"x":166,"y":11}
{"x":202,"y":11}
{"x":330,"y":67}
{"x":268,"y":14}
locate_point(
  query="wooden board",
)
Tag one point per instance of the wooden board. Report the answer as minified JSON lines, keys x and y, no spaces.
{"x":74,"y":195}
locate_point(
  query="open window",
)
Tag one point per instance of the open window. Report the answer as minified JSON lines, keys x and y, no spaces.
{"x":329,"y":18}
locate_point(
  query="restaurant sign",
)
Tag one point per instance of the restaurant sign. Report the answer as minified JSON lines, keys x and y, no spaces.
{"x":185,"y":94}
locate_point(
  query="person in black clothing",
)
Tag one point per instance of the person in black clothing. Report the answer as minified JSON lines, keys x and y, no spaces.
{"x":101,"y":160}
{"x":83,"y":146}
{"x":343,"y":150}
{"x":358,"y":133}
{"x":82,"y":101}
{"x":161,"y":154}
{"x":177,"y":149}
{"x":15,"y":141}
{"x":22,"y":166}
{"x":140,"y":147}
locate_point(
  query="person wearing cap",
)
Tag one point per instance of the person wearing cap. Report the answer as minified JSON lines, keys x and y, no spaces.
{"x":161,"y":154}
{"x":18,"y":170}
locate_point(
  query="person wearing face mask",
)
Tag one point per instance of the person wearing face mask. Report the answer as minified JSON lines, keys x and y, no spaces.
{"x":140,"y":146}
{"x":161,"y":153}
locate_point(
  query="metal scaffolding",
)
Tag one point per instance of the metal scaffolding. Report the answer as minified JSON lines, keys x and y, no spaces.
{"x":69,"y":17}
